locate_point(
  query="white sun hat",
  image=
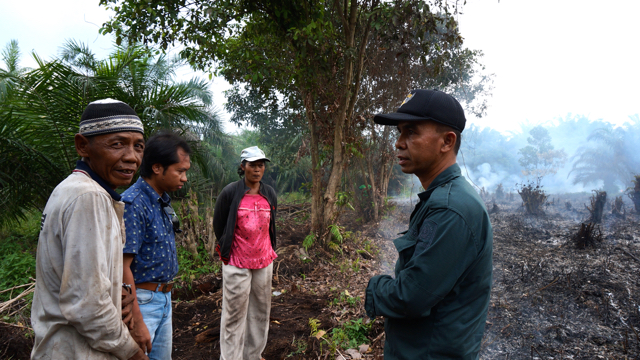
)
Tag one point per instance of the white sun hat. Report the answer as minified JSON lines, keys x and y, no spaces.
{"x":252,"y":154}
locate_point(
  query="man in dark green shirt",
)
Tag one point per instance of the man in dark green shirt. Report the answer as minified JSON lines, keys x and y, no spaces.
{"x":436,"y":306}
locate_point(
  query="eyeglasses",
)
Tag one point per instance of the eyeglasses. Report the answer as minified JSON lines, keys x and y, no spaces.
{"x":172,"y":216}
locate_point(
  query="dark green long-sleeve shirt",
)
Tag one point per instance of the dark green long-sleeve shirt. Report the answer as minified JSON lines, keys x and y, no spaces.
{"x":436,"y":306}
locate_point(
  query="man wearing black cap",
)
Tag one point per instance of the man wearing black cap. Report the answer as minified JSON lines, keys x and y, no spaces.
{"x":76,"y":311}
{"x":436,"y":306}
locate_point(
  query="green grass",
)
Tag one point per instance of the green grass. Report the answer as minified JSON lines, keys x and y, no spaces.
{"x":18,"y":244}
{"x":192,"y":267}
{"x":295,"y":197}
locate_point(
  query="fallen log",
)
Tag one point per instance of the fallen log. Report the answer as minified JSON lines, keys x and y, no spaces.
{"x":209,"y":335}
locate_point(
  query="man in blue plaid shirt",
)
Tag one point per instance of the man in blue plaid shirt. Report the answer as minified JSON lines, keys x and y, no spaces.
{"x":150,"y":259}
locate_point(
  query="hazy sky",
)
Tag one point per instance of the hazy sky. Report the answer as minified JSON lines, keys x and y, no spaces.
{"x":549,"y":58}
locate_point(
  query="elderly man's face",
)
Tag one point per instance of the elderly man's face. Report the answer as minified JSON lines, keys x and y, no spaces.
{"x":114,"y":157}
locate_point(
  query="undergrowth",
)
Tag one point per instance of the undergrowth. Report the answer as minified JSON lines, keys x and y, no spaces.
{"x":192,"y":267}
{"x":349,"y":335}
{"x":18,"y":246}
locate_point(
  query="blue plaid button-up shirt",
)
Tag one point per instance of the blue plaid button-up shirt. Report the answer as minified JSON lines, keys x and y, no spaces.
{"x":149,"y":234}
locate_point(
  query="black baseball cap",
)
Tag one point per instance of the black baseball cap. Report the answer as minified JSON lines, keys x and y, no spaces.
{"x":421,"y":105}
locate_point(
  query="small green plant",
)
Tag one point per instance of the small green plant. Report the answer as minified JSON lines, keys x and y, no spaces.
{"x":336,"y":235}
{"x":344,"y":198}
{"x":352,"y":333}
{"x":335,"y":243}
{"x":368,"y":247}
{"x":308,"y":241}
{"x":314,"y":325}
{"x":344,"y":266}
{"x":300,"y":345}
{"x":345,"y":299}
{"x":355,"y":265}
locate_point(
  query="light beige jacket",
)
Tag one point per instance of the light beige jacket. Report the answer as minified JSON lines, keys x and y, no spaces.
{"x":76,"y":311}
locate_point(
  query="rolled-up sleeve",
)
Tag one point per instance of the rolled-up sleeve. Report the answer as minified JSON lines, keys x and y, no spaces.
{"x":85,"y":290}
{"x":443,"y":252}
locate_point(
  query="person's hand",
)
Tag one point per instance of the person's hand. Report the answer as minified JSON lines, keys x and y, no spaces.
{"x":127,"y":308}
{"x":139,"y":356}
{"x":141,"y":335}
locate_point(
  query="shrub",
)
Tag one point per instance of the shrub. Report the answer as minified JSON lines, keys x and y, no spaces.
{"x":617,"y":208}
{"x":634,"y":193}
{"x":598,"y":200}
{"x":533,"y":197}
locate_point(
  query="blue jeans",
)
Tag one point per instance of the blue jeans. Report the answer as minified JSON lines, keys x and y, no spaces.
{"x":156,"y":313}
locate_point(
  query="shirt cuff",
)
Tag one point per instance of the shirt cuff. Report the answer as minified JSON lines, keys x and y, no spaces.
{"x":369,"y":303}
{"x":129,"y":348}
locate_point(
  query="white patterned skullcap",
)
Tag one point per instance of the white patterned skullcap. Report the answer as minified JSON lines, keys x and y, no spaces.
{"x":109,"y":116}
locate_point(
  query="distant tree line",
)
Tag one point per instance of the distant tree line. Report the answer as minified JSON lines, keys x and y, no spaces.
{"x":568,"y":153}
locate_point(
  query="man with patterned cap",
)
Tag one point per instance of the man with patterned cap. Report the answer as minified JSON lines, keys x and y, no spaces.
{"x":436,"y":305}
{"x":76,"y":311}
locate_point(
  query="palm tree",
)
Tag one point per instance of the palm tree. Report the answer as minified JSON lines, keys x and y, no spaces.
{"x":41,"y":116}
{"x":11,"y":72}
{"x":606,"y":158}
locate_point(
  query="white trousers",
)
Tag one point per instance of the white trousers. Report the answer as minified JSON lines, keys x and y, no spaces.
{"x":246,"y":305}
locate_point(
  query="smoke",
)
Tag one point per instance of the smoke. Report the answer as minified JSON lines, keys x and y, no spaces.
{"x":484,"y":177}
{"x":489,"y":158}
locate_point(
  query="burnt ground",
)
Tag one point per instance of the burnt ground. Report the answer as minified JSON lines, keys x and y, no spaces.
{"x":553,"y":300}
{"x":550,"y":300}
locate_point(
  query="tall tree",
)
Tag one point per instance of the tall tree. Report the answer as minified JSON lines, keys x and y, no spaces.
{"x":540,"y":158}
{"x":608,"y":157}
{"x":11,"y":70}
{"x":313,"y":49}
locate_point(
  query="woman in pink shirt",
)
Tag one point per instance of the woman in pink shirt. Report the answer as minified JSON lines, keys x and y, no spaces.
{"x":244,"y":224}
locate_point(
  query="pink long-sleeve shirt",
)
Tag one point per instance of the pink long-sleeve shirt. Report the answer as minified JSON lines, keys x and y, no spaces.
{"x":251,"y":247}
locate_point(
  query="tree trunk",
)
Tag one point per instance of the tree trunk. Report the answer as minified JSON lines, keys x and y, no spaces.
{"x":337,"y":167}
{"x":317,"y":208}
{"x":190,"y":222}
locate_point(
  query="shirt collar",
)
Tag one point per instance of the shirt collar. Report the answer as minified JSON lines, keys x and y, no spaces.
{"x":246,"y":188}
{"x":151,"y":193}
{"x":444,"y":177}
{"x":82,"y":166}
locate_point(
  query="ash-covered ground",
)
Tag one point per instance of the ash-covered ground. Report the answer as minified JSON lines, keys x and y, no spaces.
{"x":551,"y":299}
